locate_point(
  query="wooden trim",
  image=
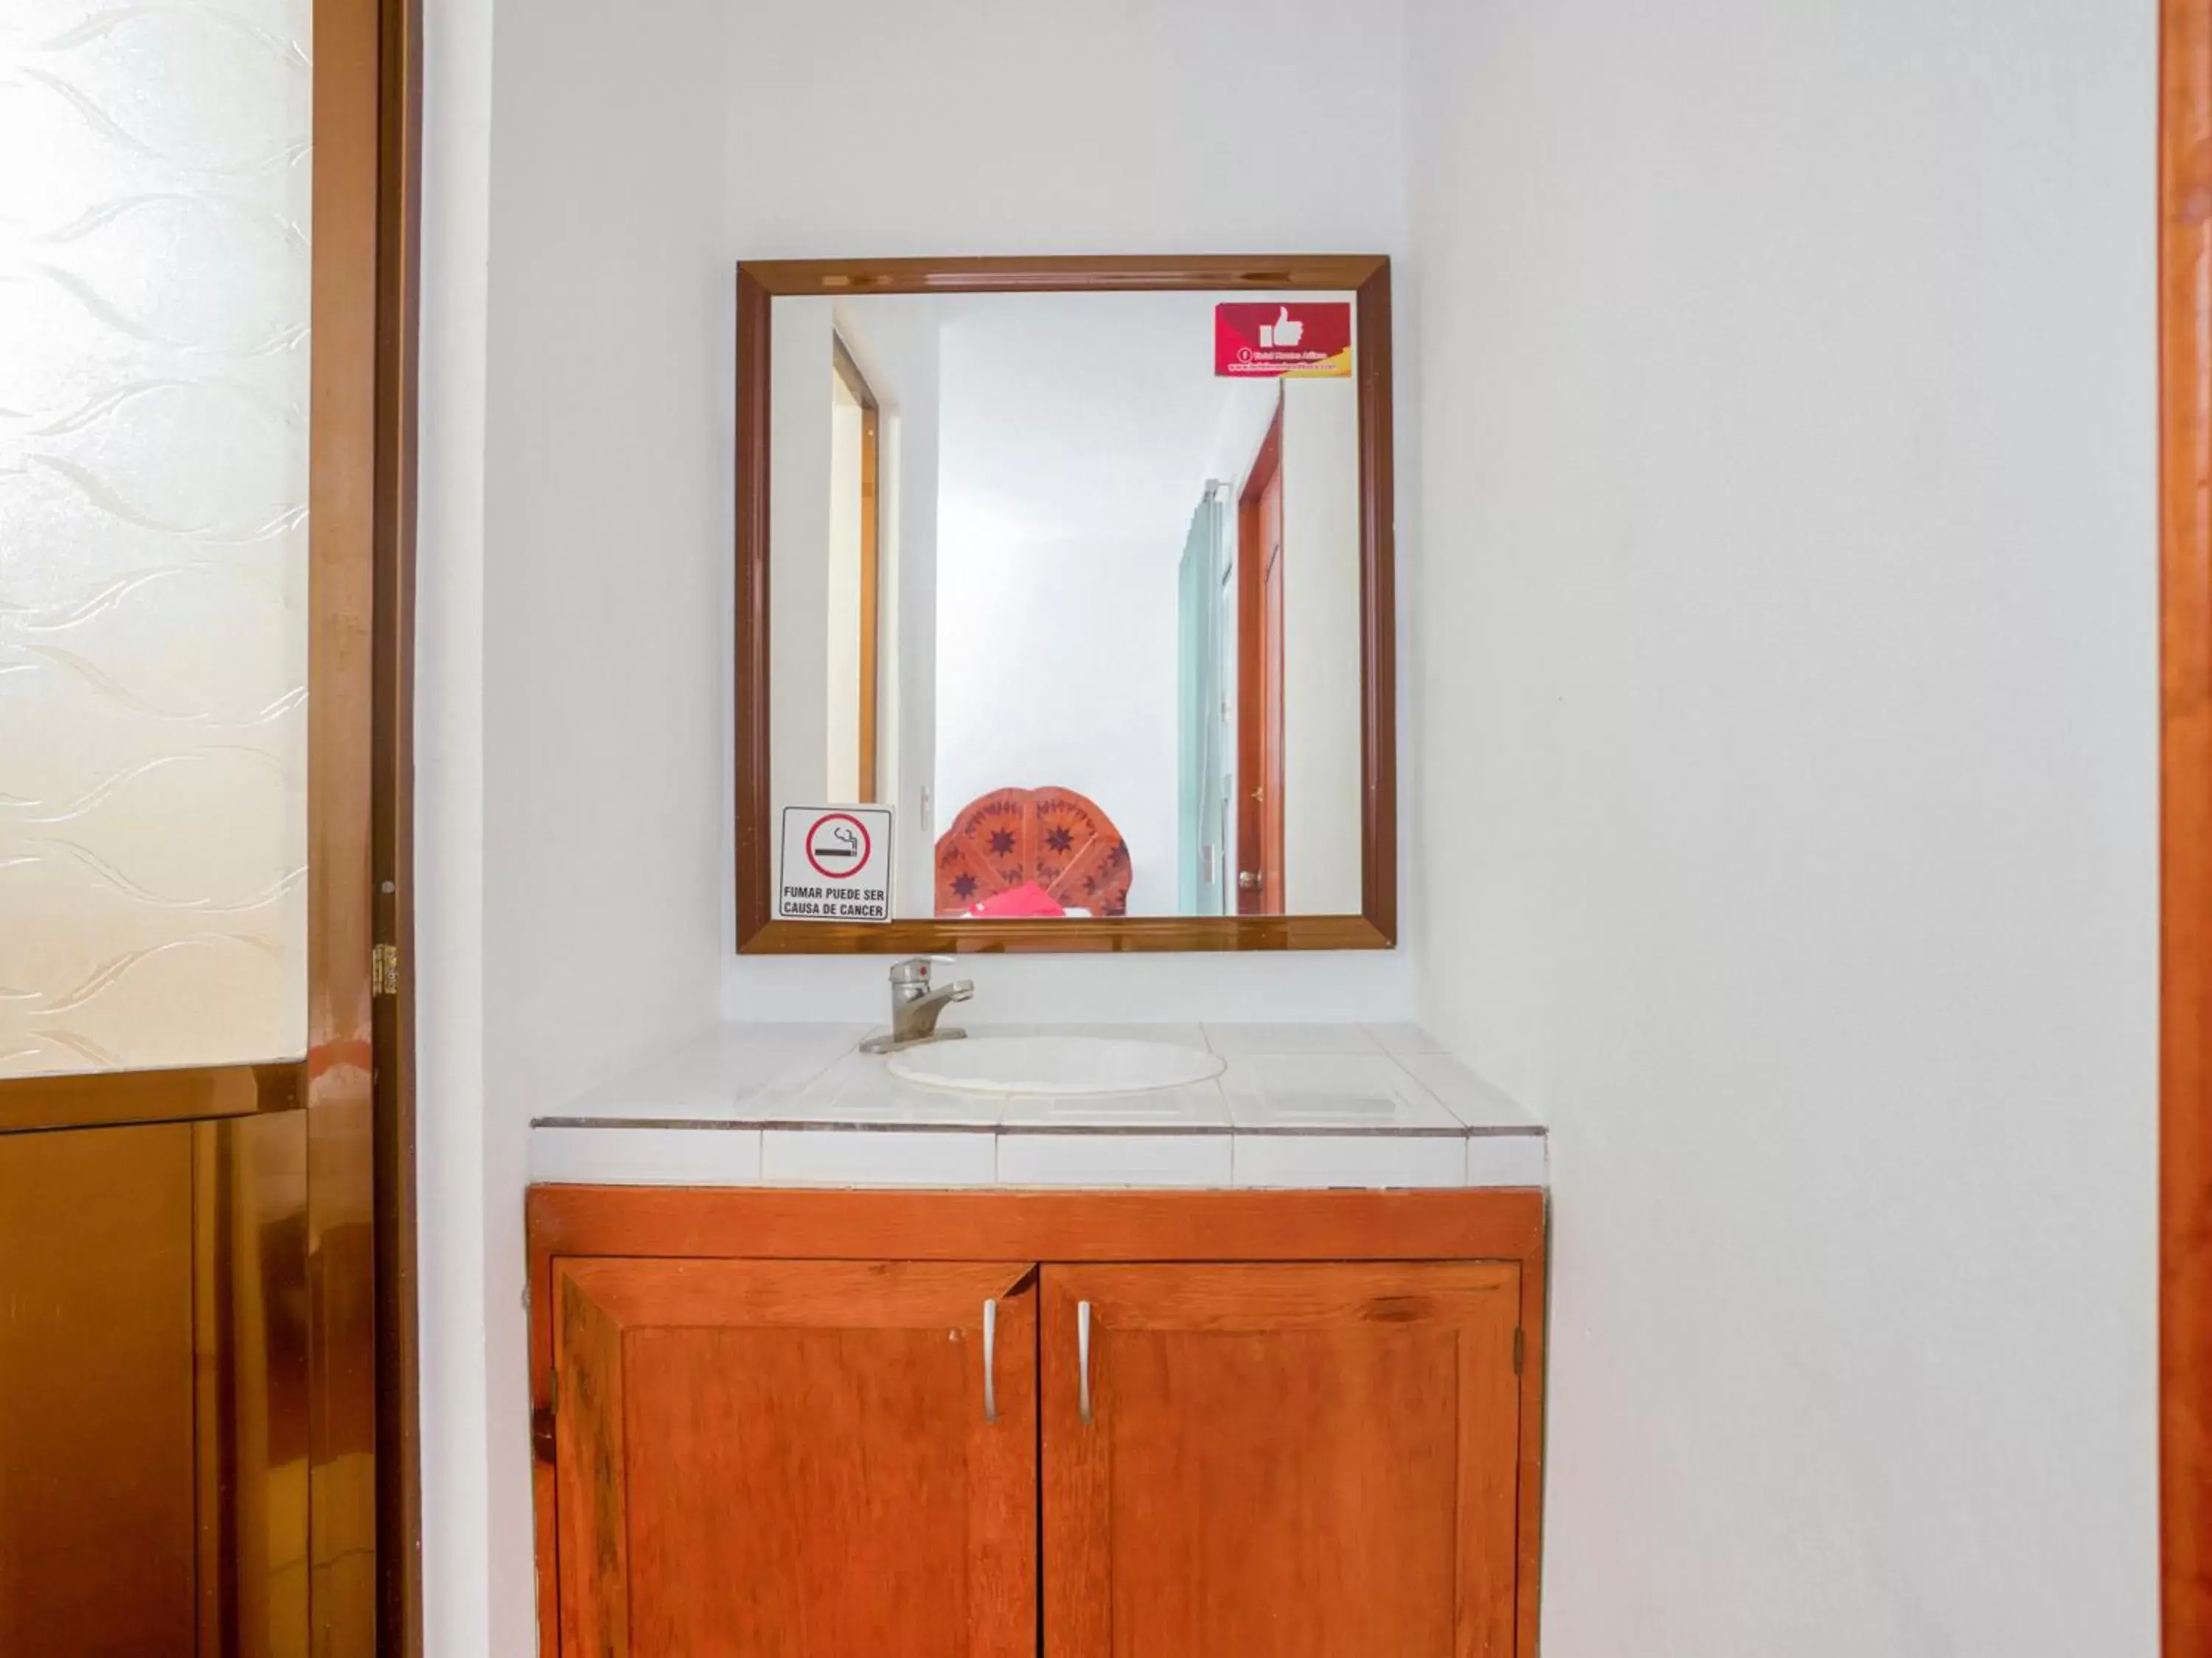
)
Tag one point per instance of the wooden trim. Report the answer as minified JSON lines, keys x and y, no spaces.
{"x":871,"y":689}
{"x":342,"y":501}
{"x":1368,"y":276}
{"x":1251,"y":669}
{"x":1378,"y":607}
{"x":970,"y":936}
{"x":2185,"y":1068}
{"x":398,"y":1370}
{"x":766,"y":1223}
{"x":755,"y":847}
{"x":110,"y":1099}
{"x":1260,"y":272}
{"x":564,"y":1223}
{"x":1529,"y":1574}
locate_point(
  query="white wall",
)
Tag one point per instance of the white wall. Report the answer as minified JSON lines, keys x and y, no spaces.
{"x":1056,"y":667}
{"x":574,"y":549}
{"x":799,"y":473}
{"x":1787,"y":669}
{"x":1322,"y":647}
{"x":840,"y":692}
{"x":457,"y":1192}
{"x":1141,"y":127}
{"x":895,"y":341}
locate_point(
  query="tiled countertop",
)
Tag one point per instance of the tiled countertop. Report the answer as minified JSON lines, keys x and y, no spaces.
{"x":1296,"y":1106}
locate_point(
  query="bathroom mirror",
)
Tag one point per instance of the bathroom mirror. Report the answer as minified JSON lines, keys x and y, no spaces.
{"x":1080,"y":569}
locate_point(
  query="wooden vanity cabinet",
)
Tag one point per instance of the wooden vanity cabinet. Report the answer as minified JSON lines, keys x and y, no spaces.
{"x":1110,"y":1425}
{"x":1303,"y":1459}
{"x":796,"y":1457}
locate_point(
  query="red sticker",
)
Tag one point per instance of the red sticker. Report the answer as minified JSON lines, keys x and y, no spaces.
{"x":1275,"y":338}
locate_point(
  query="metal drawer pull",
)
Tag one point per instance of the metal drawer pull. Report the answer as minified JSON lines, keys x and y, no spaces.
{"x":990,"y":1365}
{"x":1083,"y":1358}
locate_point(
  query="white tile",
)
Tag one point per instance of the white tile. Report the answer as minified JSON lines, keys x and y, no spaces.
{"x":646,"y":1156}
{"x":1404,"y":1039}
{"x":1350,"y":1160}
{"x":1234,"y":1041}
{"x":1201,"y":1105}
{"x":861,"y":1156}
{"x":1508,"y":1160}
{"x":1330,"y":1091}
{"x":1114,"y":1159}
{"x":1469,"y":1097}
{"x":712,"y":1079}
{"x":1180,"y":1036}
{"x":859,"y":1089}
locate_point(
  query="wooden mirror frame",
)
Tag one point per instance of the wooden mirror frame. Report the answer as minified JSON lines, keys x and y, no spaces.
{"x":1367,"y":277}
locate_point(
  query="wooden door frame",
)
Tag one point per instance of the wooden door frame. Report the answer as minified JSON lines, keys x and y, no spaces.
{"x":2185,"y":313}
{"x":565,"y":1222}
{"x":849,"y":374}
{"x":1251,"y":654}
{"x":355,"y":1087}
{"x":397,"y":1366}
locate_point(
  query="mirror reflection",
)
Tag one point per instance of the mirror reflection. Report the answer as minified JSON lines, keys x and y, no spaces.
{"x":1072,"y":583}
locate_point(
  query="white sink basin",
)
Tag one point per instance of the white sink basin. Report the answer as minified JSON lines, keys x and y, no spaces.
{"x":1064,"y":1065}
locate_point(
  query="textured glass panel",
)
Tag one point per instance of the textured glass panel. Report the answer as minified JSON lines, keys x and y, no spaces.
{"x":154,"y":306}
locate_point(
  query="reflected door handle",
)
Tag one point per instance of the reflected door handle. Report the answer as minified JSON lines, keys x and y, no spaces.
{"x":1249,"y":879}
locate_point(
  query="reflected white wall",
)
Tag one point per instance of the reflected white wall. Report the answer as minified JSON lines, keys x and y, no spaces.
{"x":1321,"y":647}
{"x":840,"y":687}
{"x":800,"y":478}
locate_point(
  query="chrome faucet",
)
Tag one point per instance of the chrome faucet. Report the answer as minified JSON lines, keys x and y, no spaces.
{"x":915,"y":1006}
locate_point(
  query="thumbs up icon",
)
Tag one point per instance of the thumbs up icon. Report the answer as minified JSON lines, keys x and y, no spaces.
{"x":1287,"y":332}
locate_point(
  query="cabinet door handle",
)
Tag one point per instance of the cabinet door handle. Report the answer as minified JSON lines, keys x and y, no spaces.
{"x":990,"y":1361}
{"x":1082,"y":1359}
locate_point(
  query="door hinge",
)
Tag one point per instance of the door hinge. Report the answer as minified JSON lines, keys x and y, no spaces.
{"x":545,"y":1442}
{"x":383,"y":969}
{"x":1519,"y":1346}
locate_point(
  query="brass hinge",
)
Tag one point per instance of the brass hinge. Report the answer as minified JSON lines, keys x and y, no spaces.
{"x":1519,"y":1343}
{"x":383,"y":969}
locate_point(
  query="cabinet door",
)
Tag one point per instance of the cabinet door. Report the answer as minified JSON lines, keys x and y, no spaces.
{"x":1307,"y":1461}
{"x":808,"y":1460}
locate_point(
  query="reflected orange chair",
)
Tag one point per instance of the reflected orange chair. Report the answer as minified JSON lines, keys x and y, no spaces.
{"x":1054,"y":837}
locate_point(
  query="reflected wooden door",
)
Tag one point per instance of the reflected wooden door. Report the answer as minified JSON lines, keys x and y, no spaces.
{"x":800,"y":1459}
{"x":1298,"y":1461}
{"x":1260,"y":879}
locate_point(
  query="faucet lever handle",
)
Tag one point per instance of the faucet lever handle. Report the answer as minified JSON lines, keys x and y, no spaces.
{"x":914,"y":970}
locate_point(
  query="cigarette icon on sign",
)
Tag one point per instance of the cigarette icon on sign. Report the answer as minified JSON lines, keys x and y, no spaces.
{"x":838,"y":846}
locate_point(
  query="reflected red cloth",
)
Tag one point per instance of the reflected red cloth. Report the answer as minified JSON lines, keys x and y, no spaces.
{"x":1017,"y":903}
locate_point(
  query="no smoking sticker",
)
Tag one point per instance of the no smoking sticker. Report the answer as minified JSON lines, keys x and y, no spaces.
{"x":837,"y":864}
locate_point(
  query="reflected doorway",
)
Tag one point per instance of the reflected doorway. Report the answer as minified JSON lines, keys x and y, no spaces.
{"x":1260,"y":678}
